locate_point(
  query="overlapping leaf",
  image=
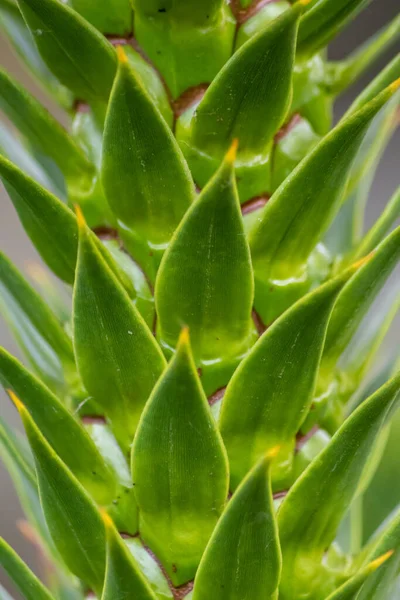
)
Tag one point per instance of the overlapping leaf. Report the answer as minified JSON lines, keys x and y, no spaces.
{"x":111,"y":17}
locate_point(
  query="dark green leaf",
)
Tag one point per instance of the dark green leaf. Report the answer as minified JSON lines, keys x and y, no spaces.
{"x":179,"y":468}
{"x":277,"y":377}
{"x":123,"y":579}
{"x":146,"y":179}
{"x":301,"y":209}
{"x":243,"y":559}
{"x":63,"y":432}
{"x":311,"y":512}
{"x":72,"y":518}
{"x":110,"y":17}
{"x":205,"y":280}
{"x":28,"y":584}
{"x":117,"y":356}
{"x":74,"y":50}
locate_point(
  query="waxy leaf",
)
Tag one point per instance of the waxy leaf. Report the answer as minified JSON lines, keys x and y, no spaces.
{"x":301,"y":209}
{"x":145,"y":177}
{"x":122,"y":579}
{"x":117,"y":356}
{"x":26,"y":581}
{"x":325,"y":19}
{"x":311,"y":512}
{"x":110,"y":17}
{"x":243,"y":560}
{"x":179,"y":468}
{"x":63,"y":432}
{"x":74,"y":50}
{"x":349,"y":590}
{"x":72,"y":518}
{"x":358,"y":295}
{"x":250,"y":97}
{"x":37,"y":330}
{"x":48,"y":222}
{"x":276,"y":378}
{"x":205,"y":279}
{"x":40,"y":129}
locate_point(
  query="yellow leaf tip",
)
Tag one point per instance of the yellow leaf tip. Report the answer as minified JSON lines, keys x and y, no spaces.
{"x":375,"y":564}
{"x":359,"y":263}
{"x":17,"y":402}
{"x":304,"y":2}
{"x":107,"y":520}
{"x":393,"y":87}
{"x":79,"y":216}
{"x":122,"y":57}
{"x":232,"y":152}
{"x":184,"y":337}
{"x":273,"y":453}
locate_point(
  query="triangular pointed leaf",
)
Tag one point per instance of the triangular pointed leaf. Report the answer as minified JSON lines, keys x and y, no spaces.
{"x":110,"y":17}
{"x":213,"y":297}
{"x":246,"y":535}
{"x":66,"y":436}
{"x":311,"y":512}
{"x":123,"y":579}
{"x":26,"y":581}
{"x":299,"y":212}
{"x":146,"y":179}
{"x":179,"y":468}
{"x":250,"y":97}
{"x":74,"y":50}
{"x":72,"y":518}
{"x":349,"y":590}
{"x":117,"y":356}
{"x":277,"y":377}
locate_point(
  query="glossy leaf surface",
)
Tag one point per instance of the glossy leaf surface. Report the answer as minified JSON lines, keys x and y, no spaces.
{"x":179,"y":468}
{"x":117,"y":356}
{"x":246,"y":536}
{"x":74,"y":50}
{"x":83,"y":549}
{"x":205,"y":280}
{"x":311,"y":512}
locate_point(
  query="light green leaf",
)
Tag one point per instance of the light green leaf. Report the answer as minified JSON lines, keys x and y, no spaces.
{"x":250,"y":97}
{"x":349,"y":590}
{"x":299,"y":212}
{"x":28,"y":584}
{"x":145,"y":177}
{"x":74,"y":50}
{"x":118,"y":359}
{"x":311,"y":512}
{"x":205,"y":280}
{"x":150,"y":568}
{"x":381,"y":226}
{"x":277,"y":377}
{"x":179,"y":468}
{"x":324,"y":20}
{"x":123,"y":579}
{"x":37,"y":330}
{"x":63,"y":432}
{"x":49,"y":223}
{"x":110,"y":17}
{"x":243,"y":559}
{"x":72,"y":518}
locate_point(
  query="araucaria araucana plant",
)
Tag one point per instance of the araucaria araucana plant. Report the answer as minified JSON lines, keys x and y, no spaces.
{"x":194,"y":397}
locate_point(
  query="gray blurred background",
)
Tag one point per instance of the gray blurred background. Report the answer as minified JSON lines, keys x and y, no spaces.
{"x":15,"y":243}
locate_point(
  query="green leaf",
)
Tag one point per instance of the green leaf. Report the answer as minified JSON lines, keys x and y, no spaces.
{"x":14,"y":27}
{"x":72,"y":518}
{"x":277,"y":377}
{"x":250,"y":97}
{"x":123,"y":579}
{"x":243,"y":560}
{"x":118,"y":359}
{"x":185,"y":10}
{"x":48,"y":222}
{"x":299,"y":212}
{"x":111,"y":17}
{"x":40,"y":129}
{"x":357,"y":296}
{"x":145,"y":177}
{"x":37,"y":330}
{"x":28,"y":584}
{"x":179,"y":468}
{"x":324,"y":20}
{"x":349,"y":590}
{"x":311,"y":512}
{"x":150,"y":568}
{"x":74,"y":50}
{"x":205,"y":280}
{"x":63,"y":432}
